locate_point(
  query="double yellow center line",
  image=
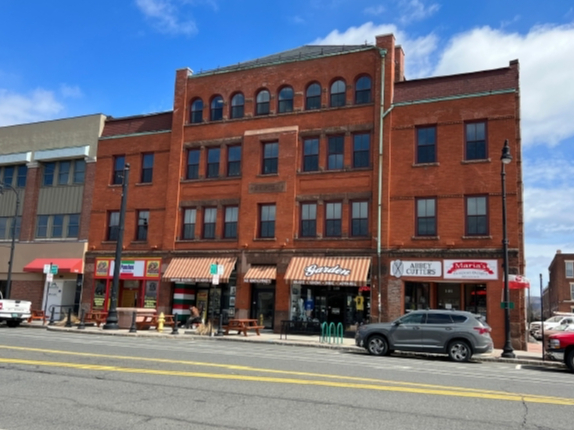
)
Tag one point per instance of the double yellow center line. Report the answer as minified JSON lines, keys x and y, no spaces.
{"x":289,"y":377}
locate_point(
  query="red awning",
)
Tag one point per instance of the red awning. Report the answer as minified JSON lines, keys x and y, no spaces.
{"x":517,"y":282}
{"x":65,"y":265}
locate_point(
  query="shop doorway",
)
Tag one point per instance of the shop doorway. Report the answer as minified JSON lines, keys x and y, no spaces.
{"x":263,"y":305}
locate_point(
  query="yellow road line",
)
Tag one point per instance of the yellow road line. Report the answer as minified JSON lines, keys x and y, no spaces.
{"x":429,"y":388}
{"x":333,"y":384}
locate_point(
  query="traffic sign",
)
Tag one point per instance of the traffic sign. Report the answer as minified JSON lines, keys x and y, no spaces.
{"x":503,"y":305}
{"x":47,"y":268}
{"x":213,"y":269}
{"x":220,"y":269}
{"x":215,"y":280}
{"x":54,"y":269}
{"x":49,"y":277}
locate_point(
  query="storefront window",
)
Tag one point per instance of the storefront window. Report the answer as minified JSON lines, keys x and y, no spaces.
{"x":100,"y":294}
{"x":448,"y":296}
{"x":475,"y":298}
{"x":150,"y":297}
{"x":417,"y":295}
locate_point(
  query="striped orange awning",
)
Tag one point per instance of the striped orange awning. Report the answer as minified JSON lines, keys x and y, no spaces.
{"x":351,"y":271}
{"x":198,"y":269}
{"x":260,"y":274}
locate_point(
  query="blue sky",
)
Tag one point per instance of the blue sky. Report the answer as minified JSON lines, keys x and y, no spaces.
{"x":65,"y":58}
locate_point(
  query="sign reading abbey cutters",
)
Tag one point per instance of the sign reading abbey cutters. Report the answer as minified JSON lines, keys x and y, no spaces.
{"x":424,"y":269}
{"x":470,"y":269}
{"x":313,"y":269}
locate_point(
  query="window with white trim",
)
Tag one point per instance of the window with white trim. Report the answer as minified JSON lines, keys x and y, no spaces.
{"x":569,"y":269}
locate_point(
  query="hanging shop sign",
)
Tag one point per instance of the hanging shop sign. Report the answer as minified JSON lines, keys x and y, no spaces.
{"x":129,"y":269}
{"x":471,"y":269}
{"x":424,"y":269}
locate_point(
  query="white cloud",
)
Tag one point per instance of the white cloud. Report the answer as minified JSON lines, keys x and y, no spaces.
{"x":418,"y":58}
{"x":166,"y":16}
{"x":415,"y":10}
{"x":297,"y":20}
{"x":374,"y":10}
{"x":71,"y":91}
{"x":38,"y":105}
{"x":546,"y":56}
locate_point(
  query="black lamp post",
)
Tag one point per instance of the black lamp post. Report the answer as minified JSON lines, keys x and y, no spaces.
{"x":507,"y":351}
{"x":13,"y":243}
{"x":112,"y":318}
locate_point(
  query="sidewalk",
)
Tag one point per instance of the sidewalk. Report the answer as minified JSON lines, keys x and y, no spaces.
{"x":531,"y":357}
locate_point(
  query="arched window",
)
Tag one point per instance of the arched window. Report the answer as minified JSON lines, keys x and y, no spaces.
{"x":237,"y":105}
{"x":197,"y":111}
{"x":338,"y":93}
{"x":286,"y":100}
{"x":313,"y":97}
{"x":216,"y":113}
{"x":363,"y":90}
{"x":262,"y":106}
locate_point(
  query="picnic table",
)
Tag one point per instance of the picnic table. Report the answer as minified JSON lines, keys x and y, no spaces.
{"x":151,"y":320}
{"x":97,"y":317}
{"x":243,"y":325}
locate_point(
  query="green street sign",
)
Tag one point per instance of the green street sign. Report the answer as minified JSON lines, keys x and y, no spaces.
{"x":54,"y":269}
{"x":213,"y":269}
{"x":510,"y":305}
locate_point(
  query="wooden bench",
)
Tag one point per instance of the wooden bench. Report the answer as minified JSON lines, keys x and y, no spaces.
{"x":96,"y":317}
{"x":37,"y":314}
{"x":242,"y":326}
{"x":148,"y":321}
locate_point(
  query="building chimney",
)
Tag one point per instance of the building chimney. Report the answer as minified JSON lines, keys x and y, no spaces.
{"x":558,"y":251}
{"x":399,"y":64}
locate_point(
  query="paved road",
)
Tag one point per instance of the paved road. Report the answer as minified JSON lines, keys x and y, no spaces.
{"x":53,"y":380}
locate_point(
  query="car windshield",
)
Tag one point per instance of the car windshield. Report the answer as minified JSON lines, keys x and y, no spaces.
{"x":554,"y":319}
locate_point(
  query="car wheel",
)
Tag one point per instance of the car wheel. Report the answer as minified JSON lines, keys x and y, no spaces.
{"x":459,"y":350}
{"x":569,"y":360}
{"x":378,"y":345}
{"x":12,"y":323}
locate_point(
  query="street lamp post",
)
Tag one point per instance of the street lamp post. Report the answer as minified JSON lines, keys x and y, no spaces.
{"x":13,"y":243}
{"x":112,"y":318}
{"x":507,"y":351}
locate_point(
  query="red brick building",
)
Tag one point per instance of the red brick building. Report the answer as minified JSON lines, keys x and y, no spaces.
{"x":325,"y":185}
{"x":559,"y":295}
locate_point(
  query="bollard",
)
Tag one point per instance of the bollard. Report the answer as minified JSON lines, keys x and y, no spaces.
{"x":82,"y":324}
{"x":220,"y":326}
{"x":175,"y":329}
{"x":51,"y":316}
{"x":133,"y":328}
{"x":69,"y":319}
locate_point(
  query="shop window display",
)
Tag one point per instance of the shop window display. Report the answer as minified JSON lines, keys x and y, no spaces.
{"x":416,"y":295}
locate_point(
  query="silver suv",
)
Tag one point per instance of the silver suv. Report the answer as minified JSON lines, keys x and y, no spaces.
{"x":456,"y":333}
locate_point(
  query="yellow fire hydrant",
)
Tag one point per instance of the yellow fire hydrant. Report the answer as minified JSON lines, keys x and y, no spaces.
{"x":260,"y":319}
{"x":160,"y":322}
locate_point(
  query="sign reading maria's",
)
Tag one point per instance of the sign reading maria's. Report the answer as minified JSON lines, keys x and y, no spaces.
{"x":314,"y":269}
{"x":470,"y":269}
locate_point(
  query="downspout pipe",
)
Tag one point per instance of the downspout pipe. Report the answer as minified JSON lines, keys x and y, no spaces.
{"x":380,"y":182}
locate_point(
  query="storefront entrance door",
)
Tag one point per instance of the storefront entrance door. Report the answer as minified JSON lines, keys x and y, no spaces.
{"x":263,"y":305}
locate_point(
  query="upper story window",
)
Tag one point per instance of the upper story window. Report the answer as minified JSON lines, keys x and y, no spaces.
{"x":234,"y":161}
{"x":359,"y":219}
{"x":335,"y":152}
{"x":9,"y":173}
{"x":311,"y":155}
{"x":270,"y":157}
{"x":262,"y":103}
{"x":58,"y":226}
{"x":569,"y":269}
{"x":230,"y":224}
{"x":333,"y":219}
{"x":361,"y":150}
{"x":475,"y":141}
{"x":237,"y":106}
{"x":147,"y":168}
{"x":213,"y":162}
{"x":476,"y":216}
{"x":23,"y":172}
{"x":426,"y":217}
{"x":197,"y":111}
{"x":209,"y":220}
{"x":286,"y":100}
{"x":113,"y":225}
{"x":426,"y":144}
{"x":338,"y":93}
{"x":216,"y":111}
{"x":313,"y":97}
{"x":143,"y":223}
{"x":6,"y":225}
{"x":363,"y":90}
{"x":119,"y":164}
{"x":308,"y":220}
{"x":65,"y":172}
{"x":189,"y":216}
{"x":267,"y":221}
{"x":192,"y":164}
{"x":572,"y":291}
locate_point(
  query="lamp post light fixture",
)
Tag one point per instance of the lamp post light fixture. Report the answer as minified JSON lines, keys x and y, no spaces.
{"x":112,"y":318}
{"x":13,"y":243}
{"x":507,"y":351}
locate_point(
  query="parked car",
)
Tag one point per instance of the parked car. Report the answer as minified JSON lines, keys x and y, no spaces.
{"x":560,"y":329}
{"x":459,"y":334}
{"x":560,"y":347}
{"x":14,"y":311}
{"x":560,"y":318}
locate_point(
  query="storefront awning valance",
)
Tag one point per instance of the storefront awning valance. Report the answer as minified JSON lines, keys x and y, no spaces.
{"x":261,"y":274}
{"x":351,"y":271}
{"x":198,"y":269}
{"x":65,"y":265}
